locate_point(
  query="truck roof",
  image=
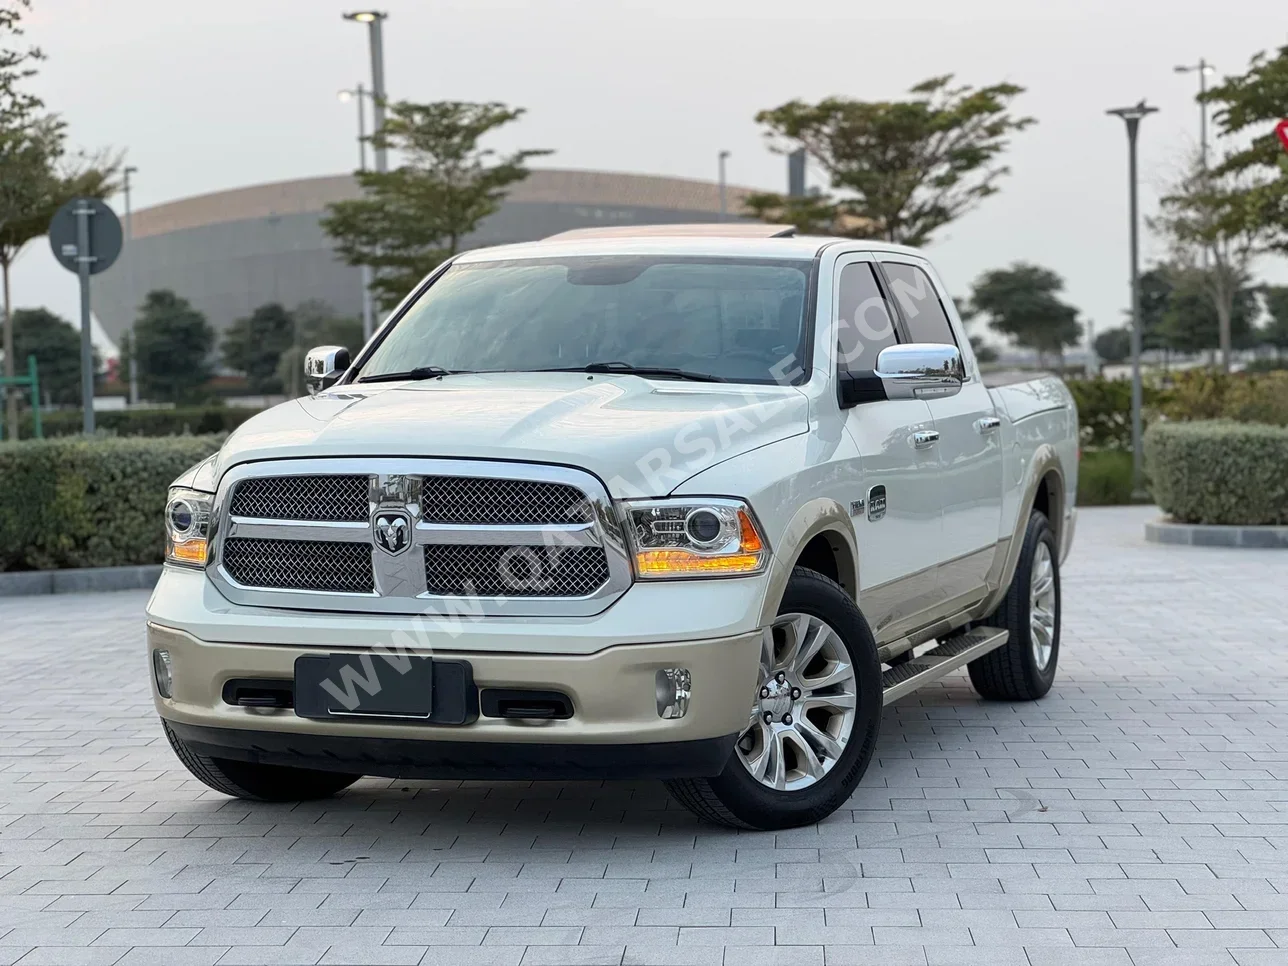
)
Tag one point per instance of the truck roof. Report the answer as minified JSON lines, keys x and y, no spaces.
{"x":745,"y":239}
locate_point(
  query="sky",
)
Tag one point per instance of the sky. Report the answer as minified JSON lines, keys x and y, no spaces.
{"x":204,"y":96}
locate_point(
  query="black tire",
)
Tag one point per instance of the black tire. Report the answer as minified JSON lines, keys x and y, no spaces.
{"x":734,"y":798}
{"x":256,"y":782}
{"x":1012,"y":672}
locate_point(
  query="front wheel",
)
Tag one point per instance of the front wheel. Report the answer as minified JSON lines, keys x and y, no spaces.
{"x":812,"y":722}
{"x":1024,"y":668}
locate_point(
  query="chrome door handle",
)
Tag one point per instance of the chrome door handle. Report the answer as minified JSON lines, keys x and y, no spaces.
{"x":987,"y":424}
{"x":924,"y":439}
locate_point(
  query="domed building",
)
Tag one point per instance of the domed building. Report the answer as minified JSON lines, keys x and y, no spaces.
{"x":229,"y":252}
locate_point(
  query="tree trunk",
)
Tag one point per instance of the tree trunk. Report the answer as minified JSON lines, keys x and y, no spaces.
{"x":10,"y":394}
{"x":1223,"y":313}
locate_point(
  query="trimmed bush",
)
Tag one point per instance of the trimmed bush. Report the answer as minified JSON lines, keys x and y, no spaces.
{"x":1104,"y":411}
{"x":195,"y":420}
{"x":1219,"y":472}
{"x":1104,"y":478}
{"x":1242,"y":397}
{"x":93,"y":502}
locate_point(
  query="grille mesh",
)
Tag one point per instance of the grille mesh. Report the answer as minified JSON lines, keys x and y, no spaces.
{"x":326,"y":498}
{"x":517,"y":571}
{"x":480,"y":501}
{"x":300,"y":564}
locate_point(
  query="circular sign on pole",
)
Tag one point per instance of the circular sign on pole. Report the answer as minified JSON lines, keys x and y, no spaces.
{"x":1281,"y":129}
{"x":104,"y":235}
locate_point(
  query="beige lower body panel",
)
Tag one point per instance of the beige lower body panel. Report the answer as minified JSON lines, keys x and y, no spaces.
{"x":613,"y":691}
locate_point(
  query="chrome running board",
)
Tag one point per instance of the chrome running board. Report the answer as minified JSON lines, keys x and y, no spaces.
{"x":953,"y":653}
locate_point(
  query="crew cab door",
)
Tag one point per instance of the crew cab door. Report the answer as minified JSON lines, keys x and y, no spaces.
{"x":893,"y":490}
{"x":969,"y":447}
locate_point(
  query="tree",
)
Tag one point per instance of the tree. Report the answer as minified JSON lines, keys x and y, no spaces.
{"x":1249,"y":105}
{"x":1023,"y":303}
{"x":413,"y":218}
{"x":1155,"y":291}
{"x":1215,"y":220}
{"x":903,"y":169}
{"x":254,"y":346}
{"x":1114,"y":345}
{"x":56,"y":346}
{"x":984,"y":353}
{"x":1191,"y":323}
{"x":16,"y":64}
{"x":36,"y":174}
{"x":173,"y":341}
{"x":316,"y":324}
{"x":1276,"y":331}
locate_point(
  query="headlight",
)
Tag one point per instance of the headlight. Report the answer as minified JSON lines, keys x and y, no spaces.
{"x":187,"y":526}
{"x":693,"y":537}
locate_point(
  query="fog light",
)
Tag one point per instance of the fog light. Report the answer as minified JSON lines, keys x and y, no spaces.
{"x":673,"y":689}
{"x":161,"y":671}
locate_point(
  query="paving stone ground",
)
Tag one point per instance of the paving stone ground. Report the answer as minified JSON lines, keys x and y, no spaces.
{"x":1138,"y":815}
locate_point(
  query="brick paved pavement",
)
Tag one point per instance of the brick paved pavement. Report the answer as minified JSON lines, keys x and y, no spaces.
{"x":1138,"y":815}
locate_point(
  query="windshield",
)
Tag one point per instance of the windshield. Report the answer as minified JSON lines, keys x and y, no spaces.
{"x":740,"y":319}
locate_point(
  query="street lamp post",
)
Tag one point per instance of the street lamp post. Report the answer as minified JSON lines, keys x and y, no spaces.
{"x":724,"y":206}
{"x":361,"y":94}
{"x":130,"y":289}
{"x":1132,"y":117}
{"x":1204,"y":70}
{"x":374,"y":19}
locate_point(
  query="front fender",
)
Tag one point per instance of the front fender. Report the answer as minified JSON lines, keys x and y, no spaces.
{"x":794,"y":489}
{"x":820,"y":516}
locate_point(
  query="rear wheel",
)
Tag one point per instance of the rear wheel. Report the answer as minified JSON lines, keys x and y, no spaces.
{"x":1024,"y":669}
{"x":812,"y":721}
{"x":258,"y":782}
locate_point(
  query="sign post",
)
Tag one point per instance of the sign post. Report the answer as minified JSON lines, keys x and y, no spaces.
{"x":85,"y":235}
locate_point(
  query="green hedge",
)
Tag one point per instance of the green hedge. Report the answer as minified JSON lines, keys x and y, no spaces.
{"x":1104,"y":478}
{"x":1244,"y":398}
{"x":93,"y":502}
{"x":195,"y":420}
{"x":1219,"y":471}
{"x":1104,"y":411}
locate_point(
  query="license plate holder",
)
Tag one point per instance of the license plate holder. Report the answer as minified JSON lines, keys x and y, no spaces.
{"x":364,"y":685}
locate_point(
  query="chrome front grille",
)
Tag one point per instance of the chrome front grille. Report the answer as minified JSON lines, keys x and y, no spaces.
{"x":516,"y":571}
{"x":477,"y":501}
{"x":326,"y":498}
{"x":313,"y":565}
{"x":406,"y":536}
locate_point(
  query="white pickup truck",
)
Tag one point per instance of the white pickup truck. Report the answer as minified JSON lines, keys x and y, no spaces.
{"x":690,"y":503}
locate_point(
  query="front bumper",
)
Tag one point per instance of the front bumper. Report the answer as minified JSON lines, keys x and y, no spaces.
{"x":503,"y":761}
{"x":612,"y":691}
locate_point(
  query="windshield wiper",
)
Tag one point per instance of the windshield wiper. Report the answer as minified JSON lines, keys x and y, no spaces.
{"x":420,"y":372}
{"x":625,"y":368}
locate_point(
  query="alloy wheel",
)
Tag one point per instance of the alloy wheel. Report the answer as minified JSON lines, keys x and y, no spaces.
{"x":1042,"y":606}
{"x":803,"y":710}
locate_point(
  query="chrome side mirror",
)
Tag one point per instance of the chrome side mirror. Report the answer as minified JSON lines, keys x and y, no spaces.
{"x":323,"y":366}
{"x":921,"y":370}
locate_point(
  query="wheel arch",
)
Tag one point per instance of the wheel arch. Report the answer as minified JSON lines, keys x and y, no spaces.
{"x":1043,"y":489}
{"x":819,"y":535}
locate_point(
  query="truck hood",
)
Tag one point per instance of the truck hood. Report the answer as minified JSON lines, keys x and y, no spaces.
{"x":641,"y":437}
